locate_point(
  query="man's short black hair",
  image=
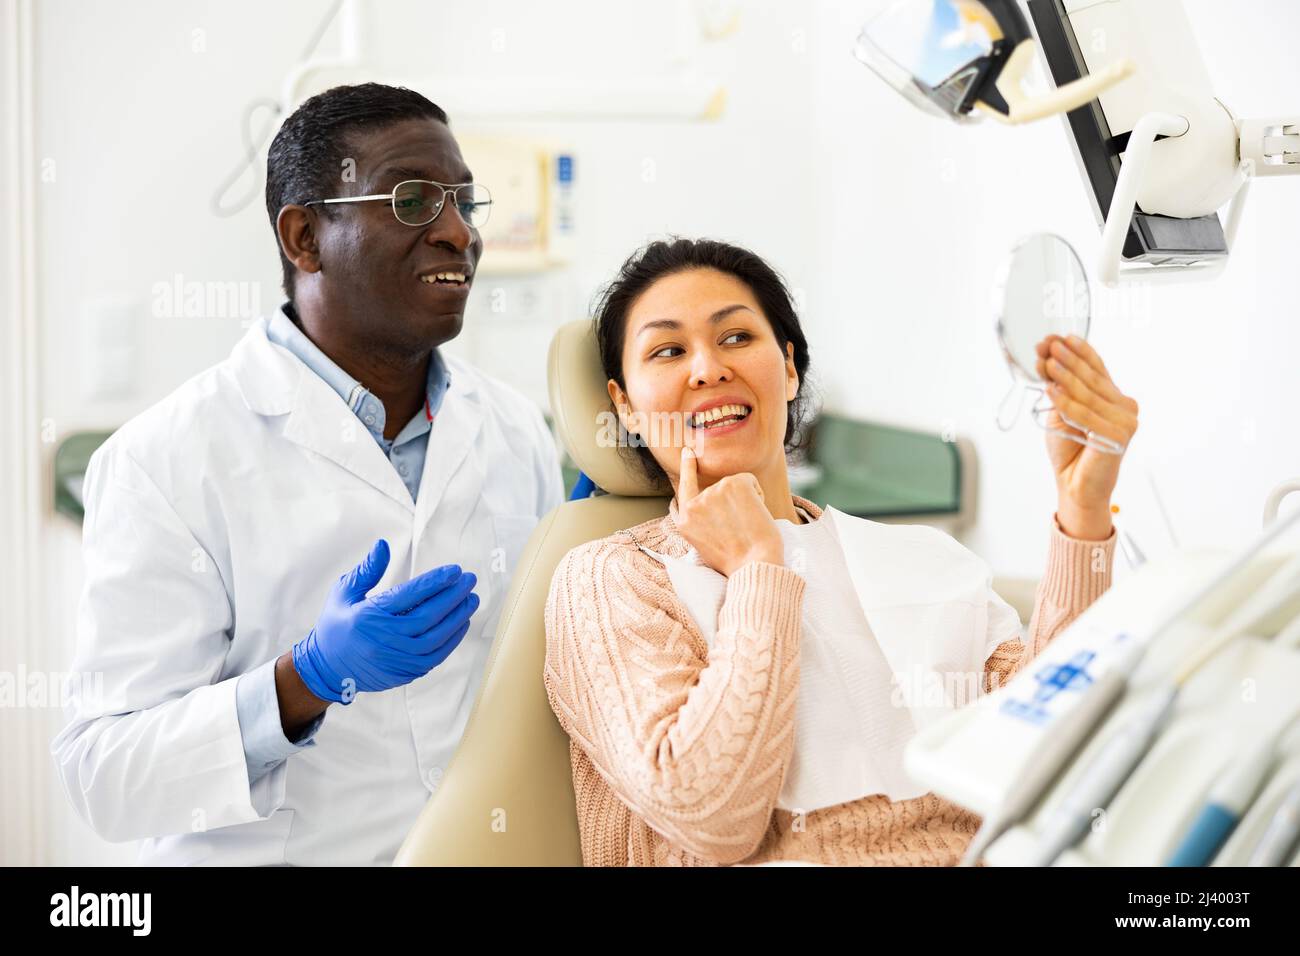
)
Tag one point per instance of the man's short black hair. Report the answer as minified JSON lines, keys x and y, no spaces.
{"x":306,"y":156}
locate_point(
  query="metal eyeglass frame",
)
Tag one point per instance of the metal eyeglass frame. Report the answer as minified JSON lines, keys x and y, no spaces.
{"x":392,"y":198}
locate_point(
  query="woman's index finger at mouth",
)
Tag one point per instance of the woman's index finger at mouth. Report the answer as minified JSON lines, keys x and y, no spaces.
{"x":687,"y":484}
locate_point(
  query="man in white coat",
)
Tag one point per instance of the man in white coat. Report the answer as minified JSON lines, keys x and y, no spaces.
{"x":295,"y":563}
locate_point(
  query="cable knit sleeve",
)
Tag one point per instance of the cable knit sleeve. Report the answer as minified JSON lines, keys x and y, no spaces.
{"x":694,"y":740}
{"x":1078,"y":572}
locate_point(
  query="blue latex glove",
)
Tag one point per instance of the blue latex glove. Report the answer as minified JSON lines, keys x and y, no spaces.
{"x":374,"y":643}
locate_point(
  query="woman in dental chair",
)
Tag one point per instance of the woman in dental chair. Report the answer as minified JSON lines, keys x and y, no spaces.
{"x":735,"y":687}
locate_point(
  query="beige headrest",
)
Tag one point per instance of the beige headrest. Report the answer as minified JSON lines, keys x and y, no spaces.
{"x":583,"y":414}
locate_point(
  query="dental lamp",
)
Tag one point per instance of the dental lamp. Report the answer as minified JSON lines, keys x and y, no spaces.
{"x":1160,"y":154}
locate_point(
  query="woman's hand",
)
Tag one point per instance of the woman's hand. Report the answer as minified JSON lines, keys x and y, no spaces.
{"x":727,"y":523}
{"x":1081,"y":388}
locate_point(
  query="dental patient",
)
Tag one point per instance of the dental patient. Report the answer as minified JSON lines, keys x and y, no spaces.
{"x":726,"y":697}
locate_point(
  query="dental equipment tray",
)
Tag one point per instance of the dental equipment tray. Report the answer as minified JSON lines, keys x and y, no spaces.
{"x":1245,"y":690}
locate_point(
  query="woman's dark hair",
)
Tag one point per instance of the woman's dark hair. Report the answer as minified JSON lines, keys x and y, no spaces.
{"x":659,"y":259}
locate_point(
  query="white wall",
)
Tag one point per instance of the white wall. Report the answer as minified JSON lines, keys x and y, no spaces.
{"x":890,"y":226}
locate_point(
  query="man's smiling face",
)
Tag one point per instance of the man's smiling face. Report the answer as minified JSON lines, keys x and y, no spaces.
{"x":379,"y":270}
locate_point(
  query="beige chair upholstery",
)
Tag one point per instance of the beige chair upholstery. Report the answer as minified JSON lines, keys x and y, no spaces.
{"x":1020,"y":593}
{"x":506,"y":799}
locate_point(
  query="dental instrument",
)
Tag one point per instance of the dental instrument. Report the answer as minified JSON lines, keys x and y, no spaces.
{"x":1226,"y":804}
{"x":1056,"y":751}
{"x":1118,"y":758}
{"x":1281,"y":834}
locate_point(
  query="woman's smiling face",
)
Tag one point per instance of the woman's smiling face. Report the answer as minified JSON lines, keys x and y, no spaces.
{"x":693,"y":340}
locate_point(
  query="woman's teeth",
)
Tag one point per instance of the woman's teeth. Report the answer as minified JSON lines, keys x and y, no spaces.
{"x":457,"y":278}
{"x":719,"y":415}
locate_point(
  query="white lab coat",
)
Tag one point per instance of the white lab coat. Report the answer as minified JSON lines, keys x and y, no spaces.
{"x":216,"y":522}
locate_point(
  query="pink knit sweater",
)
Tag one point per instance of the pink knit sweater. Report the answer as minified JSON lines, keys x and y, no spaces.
{"x":679,"y":751}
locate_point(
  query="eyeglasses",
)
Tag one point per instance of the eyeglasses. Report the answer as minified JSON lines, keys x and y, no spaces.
{"x":417,"y":202}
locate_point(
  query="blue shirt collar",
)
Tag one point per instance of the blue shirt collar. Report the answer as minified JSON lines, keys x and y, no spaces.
{"x":284,"y":331}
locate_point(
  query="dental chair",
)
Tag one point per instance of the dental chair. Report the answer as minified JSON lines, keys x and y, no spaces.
{"x":506,"y":798}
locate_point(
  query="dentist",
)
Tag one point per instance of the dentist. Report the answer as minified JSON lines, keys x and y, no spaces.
{"x":257,"y":706}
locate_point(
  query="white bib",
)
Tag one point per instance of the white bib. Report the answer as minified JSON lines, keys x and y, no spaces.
{"x":883,"y":652}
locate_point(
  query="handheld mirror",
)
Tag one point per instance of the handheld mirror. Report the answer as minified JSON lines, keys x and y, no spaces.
{"x":1042,"y":290}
